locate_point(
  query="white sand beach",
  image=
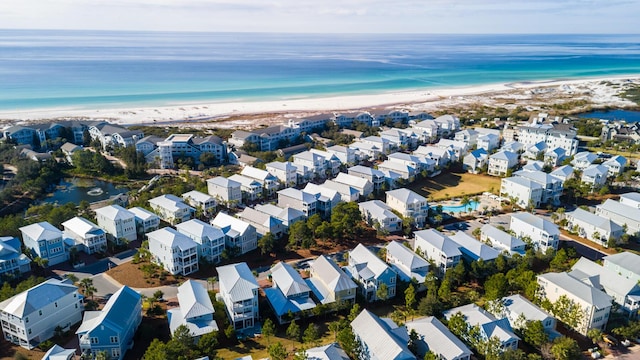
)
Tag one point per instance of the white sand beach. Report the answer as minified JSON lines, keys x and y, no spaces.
{"x":599,"y":91}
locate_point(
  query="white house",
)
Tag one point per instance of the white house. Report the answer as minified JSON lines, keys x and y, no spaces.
{"x":12,"y":261}
{"x":364,"y":186}
{"x":593,"y":227}
{"x":442,"y":156}
{"x":625,"y":263}
{"x":57,"y":352}
{"x":426,"y":130}
{"x":195,"y":310}
{"x":632,"y":199}
{"x":45,"y":241}
{"x":198,"y":200}
{"x":225,"y":190}
{"x":332,"y":351}
{"x":583,"y":159}
{"x":563,"y":173}
{"x":501,"y":162}
{"x":556,"y":135}
{"x":32,"y":316}
{"x":535,"y":151}
{"x":543,"y":233}
{"x":525,"y":191}
{"x":467,"y":136}
{"x":287,"y":216}
{"x":501,"y":240}
{"x":297,"y":199}
{"x":595,"y":176}
{"x":171,"y":208}
{"x":175,"y":252}
{"x":488,"y":324}
{"x":459,"y":148}
{"x":376,"y":177}
{"x":289,"y":293}
{"x":263,"y":222}
{"x":518,"y":310}
{"x":376,"y":212}
{"x":370,"y":273}
{"x":269,"y":182}
{"x":435,"y":337}
{"x":285,"y":172}
{"x":329,"y":283}
{"x":117,"y":221}
{"x":346,"y":154}
{"x":406,"y":263}
{"x":239,"y":292}
{"x":473,"y":249}
{"x":418,"y":162}
{"x":347,"y":192}
{"x":85,"y":234}
{"x":326,"y":198}
{"x":238,"y":234}
{"x":621,"y":214}
{"x":437,"y":247}
{"x":475,"y":160}
{"x":250,"y":187}
{"x":595,"y":303}
{"x":210,"y":240}
{"x":406,"y":172}
{"x":513,"y":146}
{"x":381,"y":338}
{"x":409,"y":204}
{"x":554,"y":157}
{"x":488,"y":142}
{"x":146,"y":221}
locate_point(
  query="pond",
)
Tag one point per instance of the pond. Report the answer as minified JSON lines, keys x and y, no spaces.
{"x":626,"y":115}
{"x":76,"y":190}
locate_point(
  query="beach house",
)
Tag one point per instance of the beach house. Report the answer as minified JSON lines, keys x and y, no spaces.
{"x":406,"y":263}
{"x":285,"y":172}
{"x":12,"y":261}
{"x":474,"y":161}
{"x":289,"y":295}
{"x":171,"y":208}
{"x":44,"y":240}
{"x":593,"y":227}
{"x":595,"y":176}
{"x":554,"y":157}
{"x":631,"y":199}
{"x":523,"y":191}
{"x":380,"y":216}
{"x":287,"y":216}
{"x":563,"y":173}
{"x":409,"y":204}
{"x":376,"y":177}
{"x":238,"y":234}
{"x":332,"y":351}
{"x":381,"y":338}
{"x":117,"y":221}
{"x":488,"y":325}
{"x":263,"y":222}
{"x":210,"y":240}
{"x":146,"y":221}
{"x":625,"y":263}
{"x":437,"y":247}
{"x":371,"y":273}
{"x":583,"y":159}
{"x":364,"y":186}
{"x":519,"y":310}
{"x":622,"y":214}
{"x":501,"y":240}
{"x":250,"y":188}
{"x":543,"y":233}
{"x":488,"y":142}
{"x":112,"y":328}
{"x":200,"y":201}
{"x":86,"y":235}
{"x":501,"y":162}
{"x":329,"y":283}
{"x":436,"y":338}
{"x":472,"y":249}
{"x":225,"y":190}
{"x":552,"y":186}
{"x":346,"y":154}
{"x":173,"y":251}
{"x":268,"y":181}
{"x":239,"y":292}
{"x":297,"y":199}
{"x":195,"y":310}
{"x":32,"y":316}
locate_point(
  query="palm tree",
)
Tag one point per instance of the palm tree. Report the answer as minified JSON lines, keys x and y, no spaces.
{"x":465,"y":201}
{"x":87,"y":287}
{"x":212,"y":282}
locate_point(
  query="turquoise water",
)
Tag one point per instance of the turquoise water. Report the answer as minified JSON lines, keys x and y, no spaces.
{"x":460,"y":208}
{"x":626,"y":115}
{"x":81,"y":69}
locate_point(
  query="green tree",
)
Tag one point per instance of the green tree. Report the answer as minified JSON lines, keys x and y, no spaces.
{"x":267,"y":243}
{"x":346,"y":218}
{"x":293,"y":332}
{"x":354,"y":312}
{"x":382,"y":293}
{"x":565,"y":348}
{"x":300,"y":355}
{"x":277,"y":351}
{"x":410,"y":297}
{"x":87,"y":287}
{"x":496,"y":286}
{"x":311,"y":334}
{"x":208,"y":343}
{"x":268,"y":329}
{"x":431,"y":356}
{"x":299,"y":233}
{"x":534,"y":334}
{"x":349,"y":343}
{"x":594,"y":335}
{"x":444,"y":292}
{"x":181,"y":343}
{"x":157,"y":350}
{"x":458,"y":325}
{"x":313,"y":222}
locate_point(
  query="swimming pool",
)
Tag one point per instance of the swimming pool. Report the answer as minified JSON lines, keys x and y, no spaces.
{"x":458,"y":208}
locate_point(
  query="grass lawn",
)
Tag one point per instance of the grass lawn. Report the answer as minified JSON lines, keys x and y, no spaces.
{"x":448,"y":185}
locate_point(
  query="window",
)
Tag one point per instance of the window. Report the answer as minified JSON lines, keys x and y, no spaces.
{"x":40,"y":312}
{"x":26,"y":320}
{"x":113,"y":339}
{"x":115,"y":353}
{"x":93,"y":340}
{"x":29,"y":331}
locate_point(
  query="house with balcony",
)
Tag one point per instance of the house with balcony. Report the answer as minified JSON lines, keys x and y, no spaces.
{"x":472,"y":249}
{"x":622,"y":214}
{"x":113,"y":135}
{"x":251,"y":189}
{"x":501,"y":162}
{"x":44,"y":240}
{"x":535,"y":151}
{"x":171,"y":208}
{"x":346,"y":154}
{"x":458,"y":148}
{"x":263,"y":222}
{"x":239,"y":292}
{"x":519,"y":310}
{"x":210,"y":240}
{"x":554,"y":157}
{"x":195,"y":310}
{"x":364,"y":186}
{"x":595,"y":303}
{"x":370,"y":273}
{"x":436,"y":338}
{"x":347,"y":192}
{"x":442,"y":156}
{"x":381,"y":338}
{"x":488,"y":142}
{"x":112,"y":328}
{"x":173,"y":251}
{"x":474,"y":161}
{"x":165,"y":151}
{"x":383,"y":144}
{"x":225,"y":190}
{"x":583,"y":160}
{"x":198,"y":200}
{"x":380,"y":216}
{"x":117,"y":221}
{"x":407,"y":264}
{"x":318,"y":165}
{"x":329,"y":283}
{"x":86,"y":235}
{"x":593,"y":227}
{"x":625,"y":263}
{"x":366,"y":151}
{"x":12,"y":261}
{"x":238,"y":234}
{"x":146,"y":221}
{"x":523,"y":191}
{"x":488,"y":325}
{"x":543,"y":233}
{"x":513,"y":146}
{"x":563,"y":173}
{"x":427,"y":130}
{"x":447,"y":124}
{"x":468,"y":136}
{"x":625,"y":292}
{"x":32,"y":316}
{"x":327,"y":198}
{"x":269,"y":182}
{"x":552,"y":186}
{"x":285,"y":172}
{"x":418,"y":162}
{"x":297,"y":199}
{"x":287,"y":216}
{"x":501,"y":241}
{"x":289,"y":293}
{"x":376,"y":177}
{"x":397,"y":138}
{"x":615,"y":165}
{"x":346,"y":119}
{"x":405,"y":172}
{"x":595,"y":176}
{"x":433,"y":245}
{"x":409,"y":204}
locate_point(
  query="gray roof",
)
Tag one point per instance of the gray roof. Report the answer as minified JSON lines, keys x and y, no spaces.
{"x":475,"y":315}
{"x":540,"y":177}
{"x":502,"y":237}
{"x":366,"y":170}
{"x":288,"y":280}
{"x":626,"y":260}
{"x":41,"y":231}
{"x":373,"y":265}
{"x":377,"y":209}
{"x":623,"y":210}
{"x":538,"y":222}
{"x":238,"y":280}
{"x":199,"y":229}
{"x":298,"y":195}
{"x":406,"y":256}
{"x":327,"y":352}
{"x":142,"y":214}
{"x":331,"y":278}
{"x":286,"y":165}
{"x":579,"y":289}
{"x":474,"y":248}
{"x":194,"y":300}
{"x":611,"y":281}
{"x":379,"y":337}
{"x":406,"y":196}
{"x":115,"y":212}
{"x":517,"y":304}
{"x":438,"y":339}
{"x":563,"y":171}
{"x":523,"y":182}
{"x":595,"y":220}
{"x":37,"y":297}
{"x":224,"y":182}
{"x":595,"y":170}
{"x":170,"y":202}
{"x":440,"y":241}
{"x":82,"y":226}
{"x":172,"y":238}
{"x":504,"y":155}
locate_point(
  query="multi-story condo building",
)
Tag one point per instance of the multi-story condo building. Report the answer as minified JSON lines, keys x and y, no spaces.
{"x":174,"y":251}
{"x":117,"y":221}
{"x":209,"y":239}
{"x":32,"y":316}
{"x":44,"y":241}
{"x":557,"y":135}
{"x":409,"y":204}
{"x":86,"y":235}
{"x":543,"y":233}
{"x":176,"y":146}
{"x":114,"y":135}
{"x":225,"y":190}
{"x":239,"y":292}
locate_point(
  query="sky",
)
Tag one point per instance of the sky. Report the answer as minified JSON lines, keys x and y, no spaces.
{"x":327,"y":16}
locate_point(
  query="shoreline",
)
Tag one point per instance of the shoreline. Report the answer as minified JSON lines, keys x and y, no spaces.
{"x":427,"y":99}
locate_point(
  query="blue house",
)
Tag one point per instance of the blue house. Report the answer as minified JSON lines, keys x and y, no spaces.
{"x":289,"y":294}
{"x":45,"y":241}
{"x":370,"y":273}
{"x":112,"y":329}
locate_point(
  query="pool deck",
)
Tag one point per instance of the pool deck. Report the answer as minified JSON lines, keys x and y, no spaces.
{"x":484,"y":200}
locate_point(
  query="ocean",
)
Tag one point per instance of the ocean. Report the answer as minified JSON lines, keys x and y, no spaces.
{"x":89,"y":69}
